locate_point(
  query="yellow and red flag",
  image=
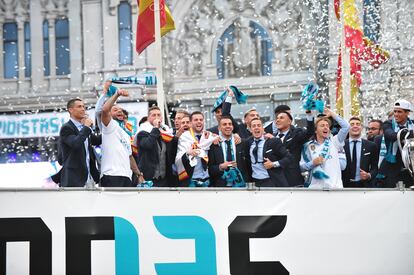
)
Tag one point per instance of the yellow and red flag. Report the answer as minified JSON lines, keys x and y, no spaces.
{"x":361,"y":48}
{"x":146,"y":26}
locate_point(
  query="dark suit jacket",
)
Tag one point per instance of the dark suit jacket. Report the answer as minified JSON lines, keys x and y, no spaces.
{"x":148,"y":153}
{"x":172,"y":152}
{"x":293,"y":142}
{"x":73,"y":155}
{"x":393,"y":171}
{"x":243,"y":132}
{"x":216,"y":157}
{"x":274,"y":150}
{"x":368,"y":163}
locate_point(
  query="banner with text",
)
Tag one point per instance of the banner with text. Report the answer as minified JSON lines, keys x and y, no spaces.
{"x":49,"y":123}
{"x":237,"y":232}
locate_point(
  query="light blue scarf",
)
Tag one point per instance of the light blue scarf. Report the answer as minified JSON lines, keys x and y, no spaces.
{"x":392,"y":147}
{"x":309,"y":98}
{"x":317,"y":172}
{"x":240,"y":98}
{"x":232,"y":176}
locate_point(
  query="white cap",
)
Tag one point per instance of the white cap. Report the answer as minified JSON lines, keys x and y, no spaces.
{"x":403,"y":104}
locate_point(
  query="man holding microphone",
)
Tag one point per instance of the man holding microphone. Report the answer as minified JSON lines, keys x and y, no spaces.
{"x":76,"y":152}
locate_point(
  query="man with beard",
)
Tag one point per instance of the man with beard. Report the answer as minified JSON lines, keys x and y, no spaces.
{"x":227,"y":161}
{"x":153,"y":142}
{"x":374,"y":129}
{"x":180,"y":128}
{"x":75,"y":147}
{"x":179,"y":114}
{"x":117,"y":160}
{"x":192,"y":154}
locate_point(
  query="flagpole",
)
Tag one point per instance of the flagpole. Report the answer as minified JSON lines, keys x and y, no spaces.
{"x":158,"y":59}
{"x":346,"y":69}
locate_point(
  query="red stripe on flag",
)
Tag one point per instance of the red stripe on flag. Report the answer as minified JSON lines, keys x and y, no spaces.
{"x":146,"y":25}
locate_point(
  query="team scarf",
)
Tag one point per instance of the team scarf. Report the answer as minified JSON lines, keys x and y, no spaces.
{"x":199,"y":183}
{"x":240,"y":98}
{"x":166,"y":133}
{"x":309,"y":98}
{"x":389,"y":153}
{"x":309,"y":149}
{"x":188,"y":140}
{"x":145,"y":184}
{"x":232,"y":176}
{"x":393,"y":146}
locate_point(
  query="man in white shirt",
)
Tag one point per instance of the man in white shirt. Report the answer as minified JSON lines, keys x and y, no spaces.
{"x":192,"y":154}
{"x":321,"y":156}
{"x":117,"y":162}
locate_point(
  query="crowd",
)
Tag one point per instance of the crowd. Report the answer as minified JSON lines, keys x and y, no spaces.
{"x":329,"y":153}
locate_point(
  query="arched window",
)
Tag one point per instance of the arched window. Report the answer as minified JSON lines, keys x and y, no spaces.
{"x":244,"y":49}
{"x":372,"y":19}
{"x":46,"y":61}
{"x":125,"y":33}
{"x":11,"y":53}
{"x":62,"y":47}
{"x":27,"y":51}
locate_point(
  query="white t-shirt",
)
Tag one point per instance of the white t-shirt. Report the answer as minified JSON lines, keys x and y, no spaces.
{"x":116,"y":149}
{"x":331,"y":166}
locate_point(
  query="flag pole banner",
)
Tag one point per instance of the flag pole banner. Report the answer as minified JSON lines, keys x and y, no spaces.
{"x":206,"y":232}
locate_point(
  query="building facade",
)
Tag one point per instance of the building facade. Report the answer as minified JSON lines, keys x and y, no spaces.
{"x":54,"y":50}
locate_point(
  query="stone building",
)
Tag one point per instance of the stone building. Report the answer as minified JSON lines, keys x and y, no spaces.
{"x":54,"y":50}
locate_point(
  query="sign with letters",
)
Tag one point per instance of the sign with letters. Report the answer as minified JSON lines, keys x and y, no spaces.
{"x":208,"y":232}
{"x":49,"y":123}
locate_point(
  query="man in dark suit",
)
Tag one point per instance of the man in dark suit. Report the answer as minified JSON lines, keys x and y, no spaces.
{"x":154,"y":142}
{"x":75,"y":141}
{"x":361,"y":158}
{"x":293,"y":139}
{"x":272,"y":127}
{"x":224,"y":110}
{"x":225,"y":156}
{"x":374,"y":129}
{"x":266,"y":158}
{"x":392,"y":166}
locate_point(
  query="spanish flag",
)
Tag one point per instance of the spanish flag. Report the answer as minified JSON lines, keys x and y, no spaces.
{"x":145,"y":25}
{"x":361,"y":48}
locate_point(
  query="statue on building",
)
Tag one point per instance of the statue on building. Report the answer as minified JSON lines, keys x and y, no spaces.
{"x":242,"y":53}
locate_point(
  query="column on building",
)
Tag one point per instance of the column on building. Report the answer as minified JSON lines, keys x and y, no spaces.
{"x":36,"y":40}
{"x":75,"y":43}
{"x":110,"y":36}
{"x":92,"y":42}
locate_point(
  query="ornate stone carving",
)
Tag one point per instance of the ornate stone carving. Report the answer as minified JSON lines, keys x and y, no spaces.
{"x":205,"y":21}
{"x":54,"y":8}
{"x":15,"y":9}
{"x":113,"y":6}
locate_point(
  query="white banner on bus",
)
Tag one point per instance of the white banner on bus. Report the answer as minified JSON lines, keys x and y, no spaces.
{"x":237,"y":232}
{"x":48,"y":124}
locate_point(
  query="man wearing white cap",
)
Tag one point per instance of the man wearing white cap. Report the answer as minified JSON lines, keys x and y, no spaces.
{"x":392,"y":168}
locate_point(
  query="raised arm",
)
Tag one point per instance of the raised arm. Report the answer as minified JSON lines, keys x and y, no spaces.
{"x":343,"y":132}
{"x":106,"y":109}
